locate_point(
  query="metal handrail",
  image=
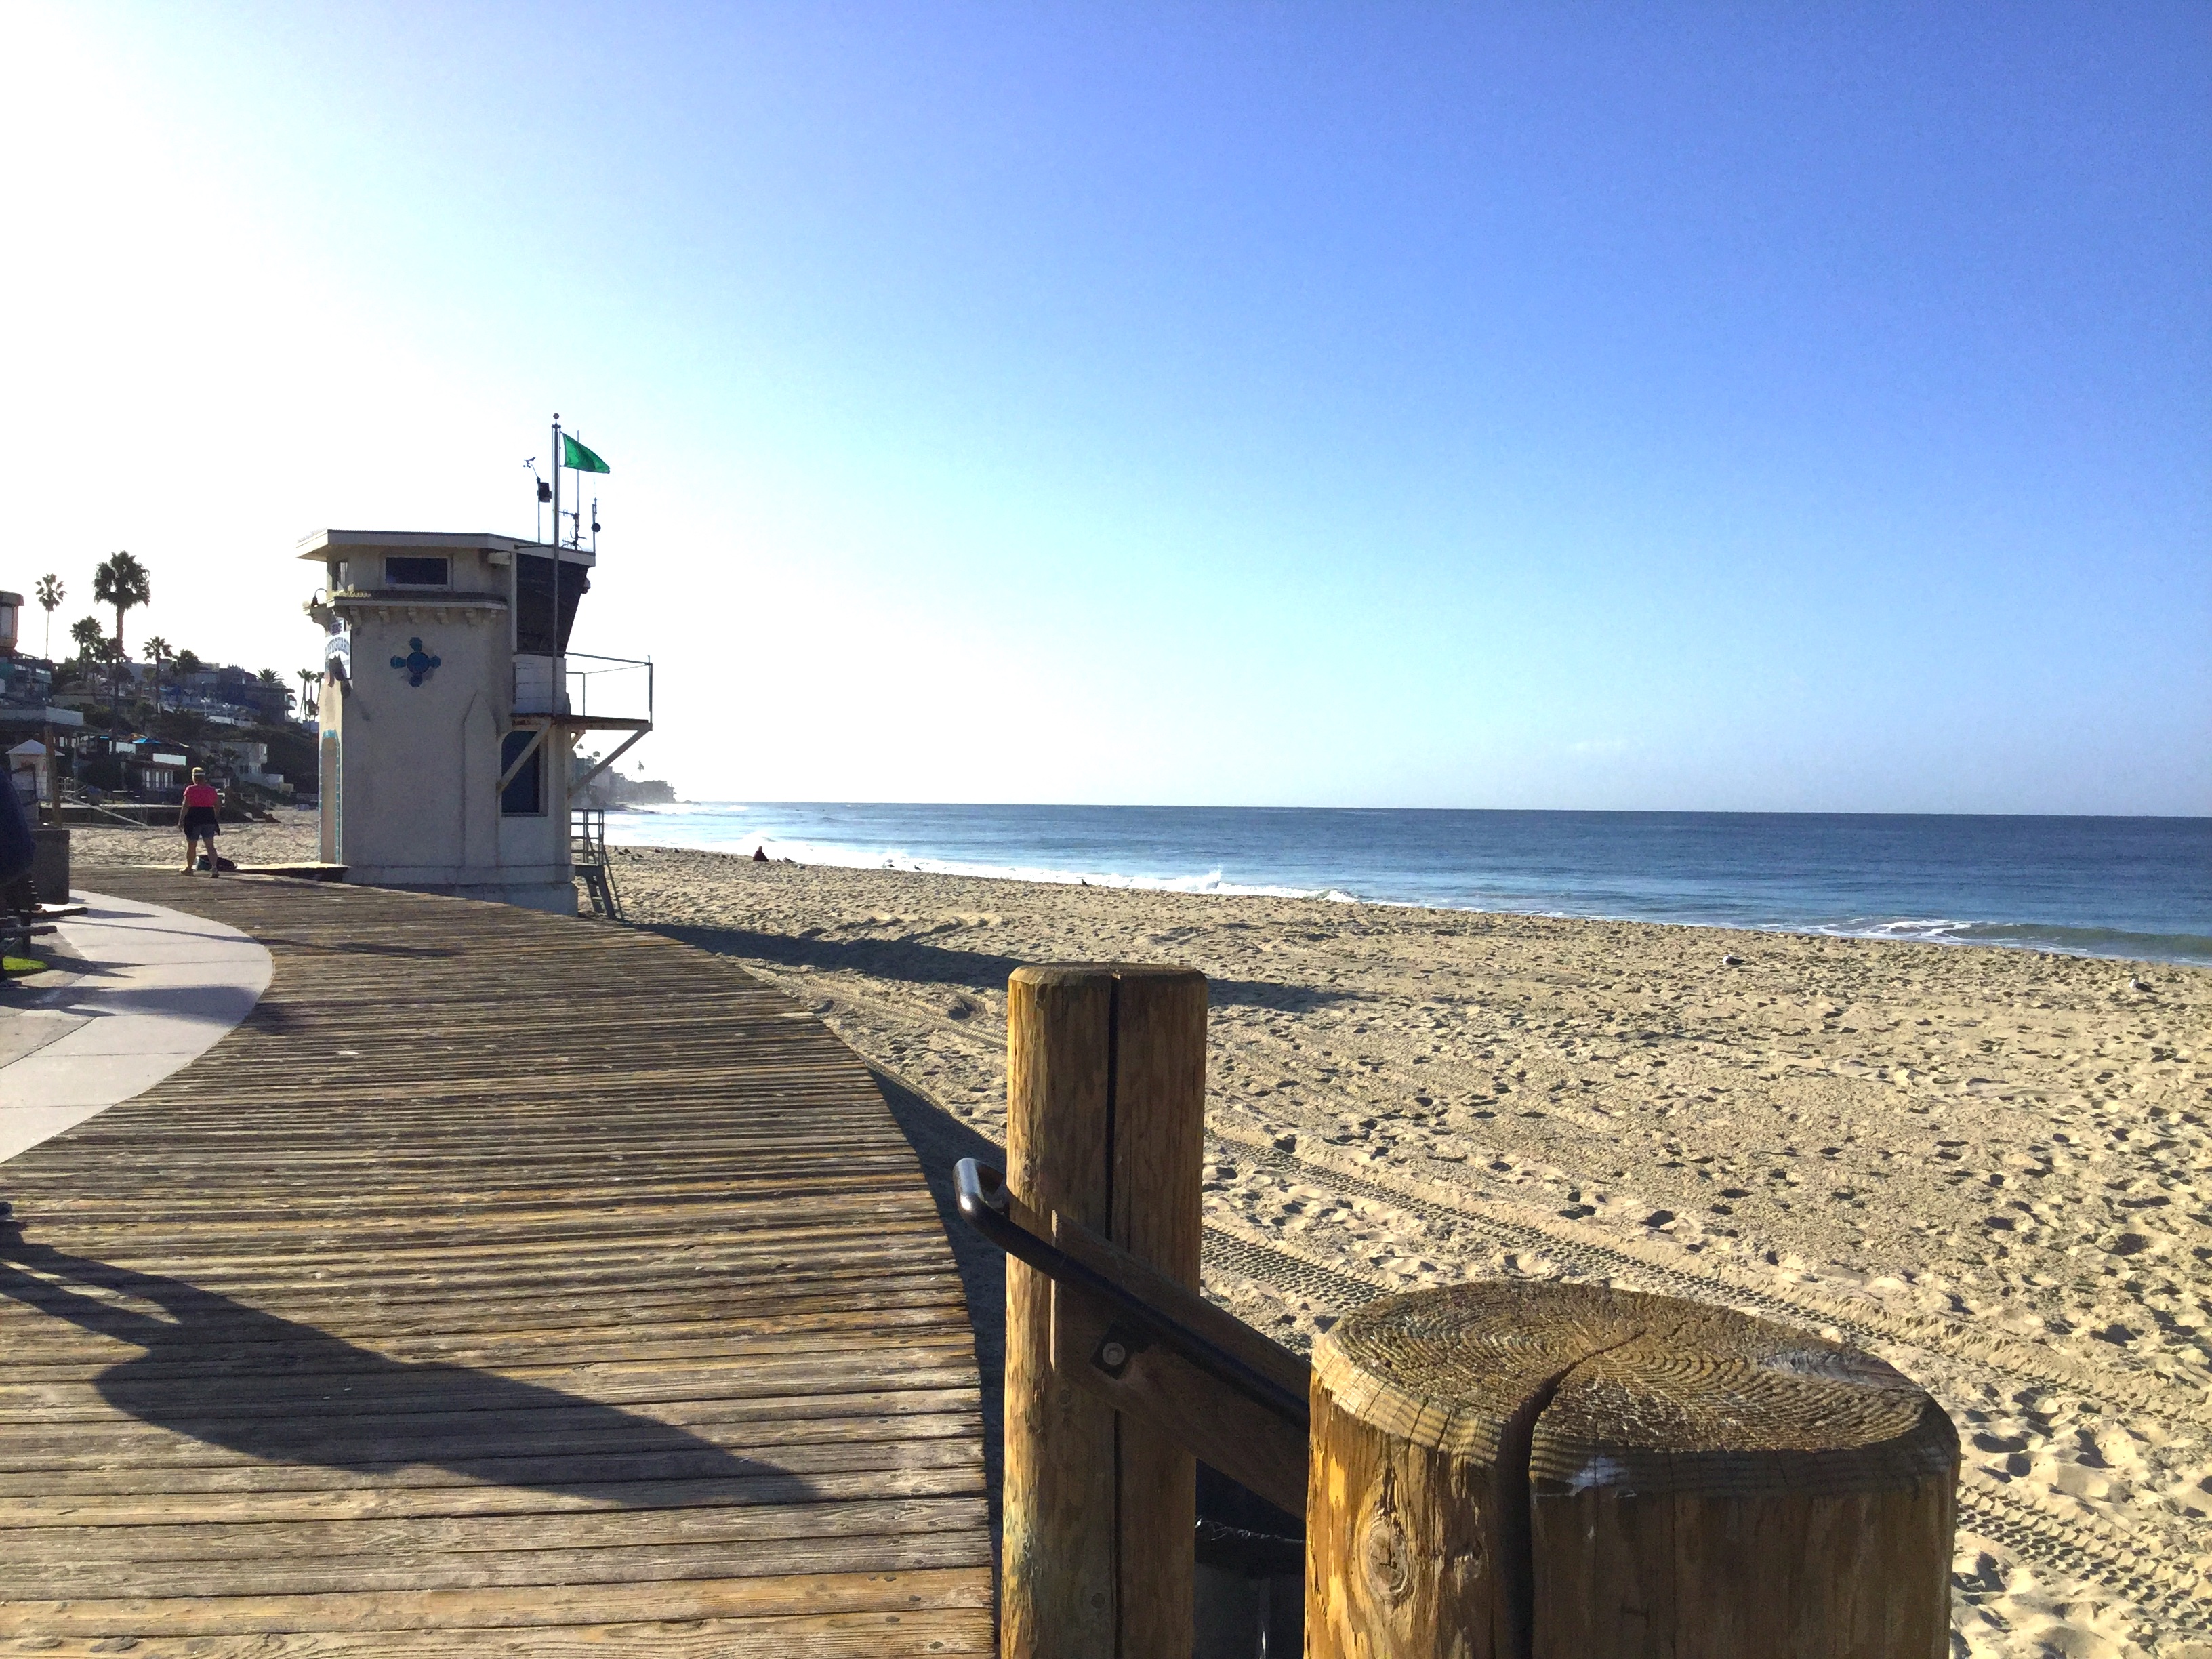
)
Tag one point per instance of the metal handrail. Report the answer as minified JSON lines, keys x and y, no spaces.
{"x":980,"y":1192}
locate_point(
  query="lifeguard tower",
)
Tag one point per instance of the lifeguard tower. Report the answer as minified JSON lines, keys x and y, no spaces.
{"x":448,"y":729}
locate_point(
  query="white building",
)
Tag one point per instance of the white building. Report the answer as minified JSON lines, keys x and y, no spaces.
{"x":446,"y":732}
{"x":247,"y":761}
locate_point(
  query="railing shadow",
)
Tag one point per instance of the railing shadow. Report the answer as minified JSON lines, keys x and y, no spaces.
{"x":198,"y":1004}
{"x":226,"y":1374}
{"x":354,"y":947}
{"x":940,"y":1141}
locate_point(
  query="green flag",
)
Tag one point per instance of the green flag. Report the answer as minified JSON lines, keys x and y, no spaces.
{"x":576,"y":457}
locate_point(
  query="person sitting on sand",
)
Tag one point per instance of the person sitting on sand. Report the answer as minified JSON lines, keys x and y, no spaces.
{"x":198,"y":818}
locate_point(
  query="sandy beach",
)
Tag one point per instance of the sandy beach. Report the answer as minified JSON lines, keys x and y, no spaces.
{"x":1989,"y":1167}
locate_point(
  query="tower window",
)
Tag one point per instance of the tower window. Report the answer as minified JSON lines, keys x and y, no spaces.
{"x":417,"y":572}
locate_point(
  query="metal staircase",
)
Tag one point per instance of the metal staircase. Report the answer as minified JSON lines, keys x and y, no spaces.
{"x":588,"y":854}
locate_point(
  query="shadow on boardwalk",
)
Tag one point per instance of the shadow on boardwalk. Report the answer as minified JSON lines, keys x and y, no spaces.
{"x":219,"y":1371}
{"x":940,"y":1141}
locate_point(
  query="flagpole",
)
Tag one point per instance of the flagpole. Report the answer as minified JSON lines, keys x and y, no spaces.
{"x":560,"y":653}
{"x":560,"y":678}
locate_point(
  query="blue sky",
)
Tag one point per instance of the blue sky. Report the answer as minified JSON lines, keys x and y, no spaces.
{"x":1670,"y":406}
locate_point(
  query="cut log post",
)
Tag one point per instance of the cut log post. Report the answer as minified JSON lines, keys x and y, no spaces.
{"x":1546,"y":1471}
{"x":1105,"y":1122}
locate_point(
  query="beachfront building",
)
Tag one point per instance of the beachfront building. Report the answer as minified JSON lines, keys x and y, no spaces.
{"x":222,"y":696}
{"x":242,"y":760}
{"x":151,"y":770}
{"x":446,"y":731}
{"x":29,"y":718}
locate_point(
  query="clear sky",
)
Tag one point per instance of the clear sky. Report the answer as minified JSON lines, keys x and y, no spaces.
{"x":1727,"y":406}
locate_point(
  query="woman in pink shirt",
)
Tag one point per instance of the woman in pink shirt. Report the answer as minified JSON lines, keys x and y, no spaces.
{"x":202,"y":811}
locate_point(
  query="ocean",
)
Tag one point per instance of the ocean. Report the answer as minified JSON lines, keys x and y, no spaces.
{"x":2092,"y":886}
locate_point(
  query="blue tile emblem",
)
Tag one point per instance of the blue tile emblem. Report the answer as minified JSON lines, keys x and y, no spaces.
{"x":417,"y":663}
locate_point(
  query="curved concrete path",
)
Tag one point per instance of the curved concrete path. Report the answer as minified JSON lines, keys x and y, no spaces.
{"x":154,"y":990}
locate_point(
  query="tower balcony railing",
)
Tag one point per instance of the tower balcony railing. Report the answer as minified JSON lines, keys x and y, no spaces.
{"x":593,"y":689}
{"x":608,"y":688}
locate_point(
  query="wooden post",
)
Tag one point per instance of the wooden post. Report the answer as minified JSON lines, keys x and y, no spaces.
{"x":1549,"y":1471}
{"x":1105,"y":1121}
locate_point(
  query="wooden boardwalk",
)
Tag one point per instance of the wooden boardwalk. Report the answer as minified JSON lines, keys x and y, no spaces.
{"x":504,"y":1284}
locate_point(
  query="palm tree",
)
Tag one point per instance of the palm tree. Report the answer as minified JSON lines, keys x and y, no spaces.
{"x":187,"y":664}
{"x":157,"y":653}
{"x":275,"y":682}
{"x":112,"y":654}
{"x":50,"y":594}
{"x":91,"y":642}
{"x":309,"y":679}
{"x":122,"y":581}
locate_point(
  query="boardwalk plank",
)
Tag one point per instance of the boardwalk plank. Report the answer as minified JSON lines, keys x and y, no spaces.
{"x":361,"y":1500}
{"x":265,"y":1540}
{"x":816,"y":1636}
{"x":560,"y":1571}
{"x":504,"y":1607}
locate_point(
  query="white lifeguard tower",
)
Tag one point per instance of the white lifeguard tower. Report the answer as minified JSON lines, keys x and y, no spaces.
{"x":448,"y":732}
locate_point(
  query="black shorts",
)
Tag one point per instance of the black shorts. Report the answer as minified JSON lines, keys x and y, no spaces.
{"x":200,"y":820}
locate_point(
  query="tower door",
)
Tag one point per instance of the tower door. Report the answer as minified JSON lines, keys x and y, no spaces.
{"x":525,"y":794}
{"x":327,"y":773}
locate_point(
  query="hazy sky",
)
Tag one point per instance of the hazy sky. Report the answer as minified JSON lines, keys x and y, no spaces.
{"x":1744,"y":406}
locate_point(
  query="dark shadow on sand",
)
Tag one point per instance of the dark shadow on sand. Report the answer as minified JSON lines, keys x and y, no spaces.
{"x":918,"y":964}
{"x":226,"y":1374}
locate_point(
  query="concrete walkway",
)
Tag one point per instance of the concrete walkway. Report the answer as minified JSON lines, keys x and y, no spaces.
{"x":152,"y":989}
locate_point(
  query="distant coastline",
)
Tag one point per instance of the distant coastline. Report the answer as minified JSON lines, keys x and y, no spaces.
{"x":611,"y":792}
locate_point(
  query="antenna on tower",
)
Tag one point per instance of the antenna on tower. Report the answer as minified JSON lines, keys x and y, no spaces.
{"x":545,"y":494}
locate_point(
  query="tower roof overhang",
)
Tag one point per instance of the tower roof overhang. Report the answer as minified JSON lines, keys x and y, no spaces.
{"x":322,"y":545}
